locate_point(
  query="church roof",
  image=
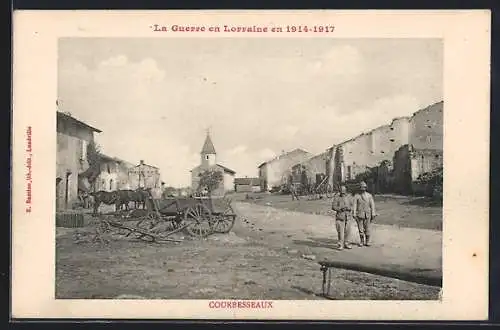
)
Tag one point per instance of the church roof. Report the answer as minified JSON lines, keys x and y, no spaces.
{"x":208,"y":146}
{"x":224,"y":168}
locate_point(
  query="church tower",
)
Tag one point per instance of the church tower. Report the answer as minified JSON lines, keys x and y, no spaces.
{"x":208,"y":154}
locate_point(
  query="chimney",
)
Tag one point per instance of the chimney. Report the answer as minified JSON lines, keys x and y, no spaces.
{"x":141,"y":162}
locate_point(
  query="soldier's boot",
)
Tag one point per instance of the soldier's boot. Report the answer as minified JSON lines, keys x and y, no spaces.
{"x":367,"y":241}
{"x":361,"y":240}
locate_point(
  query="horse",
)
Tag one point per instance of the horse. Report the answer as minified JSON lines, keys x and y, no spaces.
{"x":125,"y":196}
{"x":140,"y":196}
{"x":105,"y":197}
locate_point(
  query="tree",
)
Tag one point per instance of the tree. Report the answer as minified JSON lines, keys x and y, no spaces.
{"x":94,"y":159}
{"x":210,"y":180}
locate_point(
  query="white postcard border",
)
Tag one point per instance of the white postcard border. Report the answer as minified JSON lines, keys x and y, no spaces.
{"x":466,"y":36}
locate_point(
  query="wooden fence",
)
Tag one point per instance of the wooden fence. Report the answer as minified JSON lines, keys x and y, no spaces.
{"x":69,"y":220}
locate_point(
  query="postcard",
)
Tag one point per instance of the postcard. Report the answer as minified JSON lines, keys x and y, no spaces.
{"x":257,"y":165}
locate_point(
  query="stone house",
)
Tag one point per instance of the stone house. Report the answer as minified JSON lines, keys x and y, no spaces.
{"x":73,"y":137}
{"x":276,"y":171}
{"x":246,"y":184}
{"x":316,"y":168}
{"x":114,"y":174}
{"x":144,"y":176}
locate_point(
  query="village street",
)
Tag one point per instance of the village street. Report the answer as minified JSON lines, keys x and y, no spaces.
{"x":271,"y":253}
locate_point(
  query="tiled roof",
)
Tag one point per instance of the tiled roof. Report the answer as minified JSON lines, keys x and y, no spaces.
{"x":226,"y":169}
{"x":66,"y":117}
{"x":285,"y":154}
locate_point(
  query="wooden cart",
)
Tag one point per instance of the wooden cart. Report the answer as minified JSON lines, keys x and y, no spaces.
{"x":201,"y":216}
{"x":197,"y":216}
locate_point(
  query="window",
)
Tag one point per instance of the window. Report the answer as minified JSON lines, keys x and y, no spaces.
{"x":107,"y":166}
{"x":111,"y":184}
{"x":206,"y":157}
{"x":84,"y":150}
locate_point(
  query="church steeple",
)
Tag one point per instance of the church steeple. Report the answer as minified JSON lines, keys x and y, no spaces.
{"x":208,"y":146}
{"x":208,"y":152}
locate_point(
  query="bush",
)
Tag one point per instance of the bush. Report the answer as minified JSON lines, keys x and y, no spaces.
{"x":433,"y":180}
{"x":434,"y":177}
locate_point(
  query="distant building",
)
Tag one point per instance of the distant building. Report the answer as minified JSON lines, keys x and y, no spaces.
{"x":73,"y":137}
{"x":144,"y":176}
{"x":276,"y":171}
{"x":247,"y":185}
{"x":114,"y":174}
{"x":208,"y":161}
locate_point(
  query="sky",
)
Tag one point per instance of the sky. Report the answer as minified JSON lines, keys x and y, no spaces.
{"x":155,"y":98}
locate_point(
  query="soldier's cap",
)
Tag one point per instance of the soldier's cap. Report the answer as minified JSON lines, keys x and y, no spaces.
{"x":362,"y":184}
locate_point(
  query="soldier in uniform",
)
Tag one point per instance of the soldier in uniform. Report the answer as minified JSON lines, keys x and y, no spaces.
{"x":364,"y":212}
{"x":342,"y":205}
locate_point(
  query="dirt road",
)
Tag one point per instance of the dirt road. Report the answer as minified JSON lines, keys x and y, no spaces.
{"x":260,"y":259}
{"x":405,"y":253}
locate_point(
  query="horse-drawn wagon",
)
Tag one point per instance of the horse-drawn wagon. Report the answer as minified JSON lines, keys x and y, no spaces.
{"x":199,"y":217}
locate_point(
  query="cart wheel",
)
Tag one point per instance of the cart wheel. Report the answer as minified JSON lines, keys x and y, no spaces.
{"x":199,"y":219}
{"x":224,"y":222}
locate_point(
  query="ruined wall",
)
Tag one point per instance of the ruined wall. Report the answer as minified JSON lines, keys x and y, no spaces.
{"x":423,"y":130}
{"x":426,"y":128}
{"x":409,"y":163}
{"x":402,"y":177}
